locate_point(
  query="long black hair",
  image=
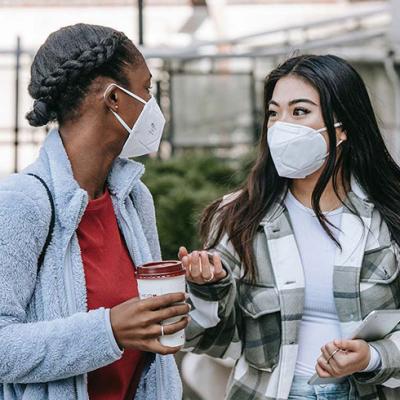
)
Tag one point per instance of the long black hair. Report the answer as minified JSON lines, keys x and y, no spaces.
{"x":67,"y":63}
{"x":363,"y":155}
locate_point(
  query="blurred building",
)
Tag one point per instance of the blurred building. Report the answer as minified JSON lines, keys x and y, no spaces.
{"x":209,"y":60}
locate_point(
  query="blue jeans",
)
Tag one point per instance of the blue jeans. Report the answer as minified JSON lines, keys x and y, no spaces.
{"x":301,"y":390}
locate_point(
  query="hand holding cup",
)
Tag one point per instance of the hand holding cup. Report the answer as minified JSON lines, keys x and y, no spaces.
{"x":136,"y":323}
{"x":156,"y":322}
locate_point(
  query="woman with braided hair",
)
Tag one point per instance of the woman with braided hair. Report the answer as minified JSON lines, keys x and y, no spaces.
{"x":75,"y":223}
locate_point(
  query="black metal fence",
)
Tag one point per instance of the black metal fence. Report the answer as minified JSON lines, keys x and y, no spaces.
{"x":17,"y":139}
{"x":204,"y":109}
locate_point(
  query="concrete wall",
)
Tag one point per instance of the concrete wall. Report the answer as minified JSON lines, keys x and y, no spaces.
{"x":383,"y":96}
{"x":395,"y":31}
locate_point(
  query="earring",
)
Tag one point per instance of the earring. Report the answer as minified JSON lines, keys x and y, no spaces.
{"x":116,"y":107}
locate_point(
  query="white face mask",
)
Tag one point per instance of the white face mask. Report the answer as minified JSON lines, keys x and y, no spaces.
{"x":145,"y":135}
{"x":297,"y":150}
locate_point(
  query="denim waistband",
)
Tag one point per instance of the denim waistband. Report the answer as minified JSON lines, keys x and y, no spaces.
{"x":344,"y":390}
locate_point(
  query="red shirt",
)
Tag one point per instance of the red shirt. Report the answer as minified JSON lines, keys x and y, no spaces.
{"x":110,"y":280}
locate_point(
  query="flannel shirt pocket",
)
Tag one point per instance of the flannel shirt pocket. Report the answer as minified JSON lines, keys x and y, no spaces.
{"x":261,"y":331}
{"x":380,"y":279}
{"x":381,"y":265}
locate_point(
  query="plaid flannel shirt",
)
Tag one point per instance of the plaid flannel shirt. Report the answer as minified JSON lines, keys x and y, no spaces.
{"x":257,"y":324}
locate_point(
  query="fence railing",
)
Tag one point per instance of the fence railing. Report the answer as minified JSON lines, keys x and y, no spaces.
{"x":353,"y":28}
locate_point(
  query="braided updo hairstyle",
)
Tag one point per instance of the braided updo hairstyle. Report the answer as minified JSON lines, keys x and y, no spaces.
{"x":68,"y":62}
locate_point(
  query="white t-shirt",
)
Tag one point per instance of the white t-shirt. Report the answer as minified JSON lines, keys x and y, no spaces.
{"x":320,"y":323}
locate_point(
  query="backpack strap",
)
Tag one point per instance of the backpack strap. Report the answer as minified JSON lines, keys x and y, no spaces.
{"x":52,"y":221}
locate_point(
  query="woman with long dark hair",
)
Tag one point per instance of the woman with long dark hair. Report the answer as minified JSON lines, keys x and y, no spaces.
{"x":306,"y":248}
{"x":74,"y":225}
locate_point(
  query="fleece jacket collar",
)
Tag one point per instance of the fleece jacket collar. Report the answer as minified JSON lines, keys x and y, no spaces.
{"x":69,"y":197}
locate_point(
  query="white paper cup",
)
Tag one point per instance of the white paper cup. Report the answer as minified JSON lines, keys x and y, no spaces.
{"x":156,"y":279}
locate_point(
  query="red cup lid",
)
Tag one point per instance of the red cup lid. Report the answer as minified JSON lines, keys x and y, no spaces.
{"x":160,"y":269}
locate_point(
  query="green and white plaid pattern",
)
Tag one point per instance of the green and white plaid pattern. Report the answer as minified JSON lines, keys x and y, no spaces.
{"x":259,"y":322}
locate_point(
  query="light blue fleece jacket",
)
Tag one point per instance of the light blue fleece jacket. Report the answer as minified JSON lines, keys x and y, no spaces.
{"x":48,"y":339}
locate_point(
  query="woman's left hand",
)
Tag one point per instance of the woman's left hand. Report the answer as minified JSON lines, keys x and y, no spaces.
{"x":352,"y":356}
{"x":199,"y":268}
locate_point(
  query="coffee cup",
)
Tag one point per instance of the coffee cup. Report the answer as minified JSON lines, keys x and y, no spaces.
{"x":158,"y":278}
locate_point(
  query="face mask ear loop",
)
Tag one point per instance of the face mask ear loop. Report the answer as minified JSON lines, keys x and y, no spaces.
{"x":337,"y":145}
{"x":335,"y":125}
{"x":136,"y":97}
{"x":122,"y":122}
{"x":107,"y":89}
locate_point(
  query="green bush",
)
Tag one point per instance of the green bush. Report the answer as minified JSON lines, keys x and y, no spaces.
{"x":182,"y":187}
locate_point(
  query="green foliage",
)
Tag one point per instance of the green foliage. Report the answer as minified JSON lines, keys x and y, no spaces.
{"x":182,"y":187}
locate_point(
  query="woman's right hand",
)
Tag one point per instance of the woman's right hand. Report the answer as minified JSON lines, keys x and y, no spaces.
{"x":199,"y":268}
{"x":136,"y":323}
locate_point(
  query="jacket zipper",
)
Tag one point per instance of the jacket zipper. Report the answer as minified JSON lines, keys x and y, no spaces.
{"x":125,"y":227}
{"x":69,"y":286}
{"x":71,"y":302}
